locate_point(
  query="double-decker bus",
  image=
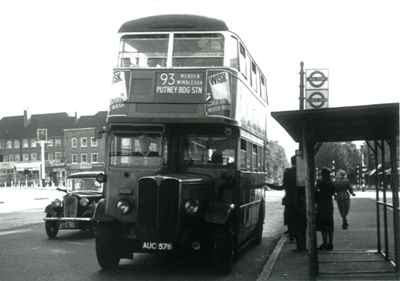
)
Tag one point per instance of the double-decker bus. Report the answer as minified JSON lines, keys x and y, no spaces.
{"x":185,"y":143}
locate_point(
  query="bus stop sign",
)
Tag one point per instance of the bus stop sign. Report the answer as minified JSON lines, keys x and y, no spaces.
{"x":317,"y":79}
{"x":316,"y":99}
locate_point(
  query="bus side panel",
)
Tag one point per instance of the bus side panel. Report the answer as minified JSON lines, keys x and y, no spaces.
{"x":249,"y":203}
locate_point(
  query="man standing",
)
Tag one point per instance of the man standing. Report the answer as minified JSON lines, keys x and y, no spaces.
{"x":295,"y":207}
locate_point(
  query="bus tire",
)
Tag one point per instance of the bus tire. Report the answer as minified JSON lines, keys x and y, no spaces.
{"x":223,"y":251}
{"x":107,"y":248}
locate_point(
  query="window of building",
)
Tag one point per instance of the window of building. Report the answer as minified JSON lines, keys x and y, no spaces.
{"x":25,"y":157}
{"x":33,"y":143}
{"x":25,"y":143}
{"x":93,"y":142}
{"x":50,"y":143}
{"x":57,"y":142}
{"x":84,"y":142}
{"x":16,"y":143}
{"x":84,"y":157}
{"x":74,"y":142}
{"x":74,"y":158}
{"x":6,"y":159}
{"x":1,"y":144}
{"x":242,"y":60}
{"x":50,"y":156}
{"x":9,"y":144}
{"x":34,"y":156}
{"x":10,"y":158}
{"x":17,"y":157}
{"x":57,"y":156}
{"x":95,"y":157}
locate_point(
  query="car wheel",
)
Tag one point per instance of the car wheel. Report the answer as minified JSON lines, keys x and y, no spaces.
{"x":107,"y":248}
{"x":51,"y":229}
{"x":260,"y":225}
{"x":223,"y":249}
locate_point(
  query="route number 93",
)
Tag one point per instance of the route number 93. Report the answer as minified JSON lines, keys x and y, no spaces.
{"x":167,"y":79}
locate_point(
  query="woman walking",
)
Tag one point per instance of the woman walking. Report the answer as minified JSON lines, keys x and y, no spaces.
{"x":343,"y":190}
{"x":324,"y":200}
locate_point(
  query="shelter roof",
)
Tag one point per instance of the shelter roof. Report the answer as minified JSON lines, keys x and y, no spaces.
{"x":367,"y":122}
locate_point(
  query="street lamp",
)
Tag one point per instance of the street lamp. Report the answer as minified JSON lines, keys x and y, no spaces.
{"x":41,"y":135}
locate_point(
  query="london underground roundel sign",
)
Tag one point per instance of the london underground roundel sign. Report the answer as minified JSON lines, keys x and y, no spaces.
{"x":317,"y":100}
{"x":317,"y":79}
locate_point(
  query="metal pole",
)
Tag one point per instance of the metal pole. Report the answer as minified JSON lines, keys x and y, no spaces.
{"x":384,"y":201}
{"x":395,"y":197}
{"x":301,"y":98}
{"x":43,"y":168}
{"x":378,"y":217}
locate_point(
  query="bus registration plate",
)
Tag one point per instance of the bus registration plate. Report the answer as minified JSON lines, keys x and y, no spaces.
{"x":157,"y":246}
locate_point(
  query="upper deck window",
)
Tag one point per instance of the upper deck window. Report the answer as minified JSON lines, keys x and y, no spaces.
{"x":198,"y":50}
{"x":144,"y":51}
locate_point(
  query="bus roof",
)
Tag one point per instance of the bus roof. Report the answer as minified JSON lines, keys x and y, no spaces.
{"x":173,"y":23}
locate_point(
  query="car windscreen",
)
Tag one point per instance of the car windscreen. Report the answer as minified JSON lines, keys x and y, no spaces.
{"x":83,"y":184}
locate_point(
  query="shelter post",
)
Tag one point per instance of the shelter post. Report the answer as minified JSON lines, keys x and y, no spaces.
{"x":309,"y":167}
{"x":394,"y":152}
{"x":378,"y":217}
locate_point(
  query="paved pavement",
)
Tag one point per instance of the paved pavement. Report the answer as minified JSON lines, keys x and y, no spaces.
{"x":354,"y":256}
{"x":14,"y":199}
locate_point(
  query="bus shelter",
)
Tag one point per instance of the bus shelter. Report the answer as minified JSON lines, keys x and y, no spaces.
{"x":378,"y":125}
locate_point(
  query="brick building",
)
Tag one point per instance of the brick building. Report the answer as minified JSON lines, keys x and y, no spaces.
{"x":83,"y":150}
{"x":20,"y":152}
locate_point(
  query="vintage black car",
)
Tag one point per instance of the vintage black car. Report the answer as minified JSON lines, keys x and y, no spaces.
{"x":75,"y":210}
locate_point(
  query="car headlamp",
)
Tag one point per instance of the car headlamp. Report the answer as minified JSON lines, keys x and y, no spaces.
{"x":56,"y":203}
{"x":124,"y":206}
{"x":84,"y":202}
{"x":192,"y":206}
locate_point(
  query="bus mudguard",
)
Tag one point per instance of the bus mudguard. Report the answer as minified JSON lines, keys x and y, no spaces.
{"x":99,"y":213}
{"x":218,"y":212}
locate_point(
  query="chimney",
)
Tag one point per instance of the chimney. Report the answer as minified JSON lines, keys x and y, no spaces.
{"x":26,"y":120}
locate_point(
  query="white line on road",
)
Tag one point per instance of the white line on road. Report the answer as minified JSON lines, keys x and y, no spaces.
{"x":2,"y":233}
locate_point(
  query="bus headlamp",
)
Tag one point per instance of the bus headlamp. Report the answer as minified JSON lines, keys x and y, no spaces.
{"x":124,"y":206}
{"x":192,"y":206}
{"x":84,"y":202}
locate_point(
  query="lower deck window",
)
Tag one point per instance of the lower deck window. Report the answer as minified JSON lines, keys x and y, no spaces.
{"x":136,"y":150}
{"x":209,"y":150}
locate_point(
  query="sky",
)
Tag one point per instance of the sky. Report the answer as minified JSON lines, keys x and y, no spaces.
{"x":57,"y":56}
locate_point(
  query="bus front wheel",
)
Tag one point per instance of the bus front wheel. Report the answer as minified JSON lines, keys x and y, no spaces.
{"x":107,"y":249}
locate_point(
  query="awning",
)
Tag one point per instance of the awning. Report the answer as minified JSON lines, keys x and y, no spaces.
{"x":369,"y":122}
{"x":32,"y":166}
